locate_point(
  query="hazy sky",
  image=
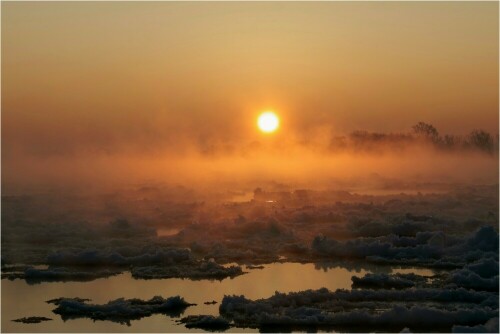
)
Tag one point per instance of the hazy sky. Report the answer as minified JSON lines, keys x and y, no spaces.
{"x":88,"y":76}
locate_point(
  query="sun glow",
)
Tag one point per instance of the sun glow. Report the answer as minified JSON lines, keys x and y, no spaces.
{"x":268,"y":122}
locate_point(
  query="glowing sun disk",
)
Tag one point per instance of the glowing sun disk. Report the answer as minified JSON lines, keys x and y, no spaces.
{"x":268,"y":122}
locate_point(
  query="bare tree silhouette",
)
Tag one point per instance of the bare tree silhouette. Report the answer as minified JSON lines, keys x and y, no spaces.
{"x":426,"y":131}
{"x":482,"y":140}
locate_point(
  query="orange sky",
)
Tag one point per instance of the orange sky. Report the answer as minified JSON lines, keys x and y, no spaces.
{"x":88,"y":76}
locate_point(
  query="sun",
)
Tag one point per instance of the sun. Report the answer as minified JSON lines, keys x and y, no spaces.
{"x":268,"y":122}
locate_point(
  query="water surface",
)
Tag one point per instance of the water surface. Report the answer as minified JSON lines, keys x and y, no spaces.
{"x":20,"y":299}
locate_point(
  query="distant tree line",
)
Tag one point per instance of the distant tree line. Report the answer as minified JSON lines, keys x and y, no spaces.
{"x":424,"y":133}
